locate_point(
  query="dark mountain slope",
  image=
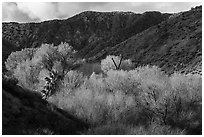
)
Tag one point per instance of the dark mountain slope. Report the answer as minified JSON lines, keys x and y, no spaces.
{"x":6,"y":51}
{"x":175,"y":44}
{"x":24,"y":112}
{"x":88,"y":32}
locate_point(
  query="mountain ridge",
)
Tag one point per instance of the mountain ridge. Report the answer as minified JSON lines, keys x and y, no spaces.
{"x":174,"y":45}
{"x":85,"y":31}
{"x":98,"y":34}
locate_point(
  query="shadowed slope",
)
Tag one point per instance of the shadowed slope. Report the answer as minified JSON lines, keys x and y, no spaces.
{"x":24,"y":112}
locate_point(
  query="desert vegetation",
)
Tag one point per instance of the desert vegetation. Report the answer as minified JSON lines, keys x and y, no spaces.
{"x":113,"y":97}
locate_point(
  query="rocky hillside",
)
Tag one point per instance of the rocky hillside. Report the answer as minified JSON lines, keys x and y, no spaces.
{"x":24,"y":112}
{"x":173,"y":42}
{"x":174,"y":45}
{"x":88,"y":32}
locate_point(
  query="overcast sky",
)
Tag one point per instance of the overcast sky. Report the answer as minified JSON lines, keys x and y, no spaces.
{"x":36,"y":12}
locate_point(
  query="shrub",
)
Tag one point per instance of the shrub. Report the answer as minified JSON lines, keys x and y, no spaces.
{"x":155,"y":129}
{"x":26,"y":74}
{"x":188,"y":87}
{"x":123,"y":129}
{"x":138,"y":97}
{"x":58,"y":67}
{"x":186,"y":102}
{"x":40,"y":131}
{"x":81,"y":103}
{"x":41,"y":79}
{"x":18,"y":57}
{"x":177,"y":105}
{"x":65,"y":50}
{"x":142,"y":101}
{"x":72,"y":80}
{"x":108,"y":64}
{"x":26,"y":65}
{"x":93,"y":101}
{"x":109,"y":129}
{"x":88,"y":68}
{"x":150,"y":76}
{"x":123,"y":81}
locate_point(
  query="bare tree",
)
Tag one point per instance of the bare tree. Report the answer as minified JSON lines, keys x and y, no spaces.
{"x":118,"y":66}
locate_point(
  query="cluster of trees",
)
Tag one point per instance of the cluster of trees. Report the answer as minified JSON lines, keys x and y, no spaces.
{"x":138,"y":100}
{"x":143,"y":97}
{"x":30,"y":66}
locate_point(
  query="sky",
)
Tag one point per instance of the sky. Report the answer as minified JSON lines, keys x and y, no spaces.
{"x":42,"y":11}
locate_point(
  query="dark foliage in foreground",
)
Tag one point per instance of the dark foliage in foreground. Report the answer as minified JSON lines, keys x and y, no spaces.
{"x":24,"y":112}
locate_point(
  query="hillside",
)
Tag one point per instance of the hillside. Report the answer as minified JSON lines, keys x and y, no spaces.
{"x":174,"y":44}
{"x":6,"y":51}
{"x":24,"y":112}
{"x":88,"y":32}
{"x":109,"y":96}
{"x":171,"y":42}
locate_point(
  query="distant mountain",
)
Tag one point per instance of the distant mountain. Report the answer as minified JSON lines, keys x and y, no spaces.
{"x":88,"y":32}
{"x":174,"y":45}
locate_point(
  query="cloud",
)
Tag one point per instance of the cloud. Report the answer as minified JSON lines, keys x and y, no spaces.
{"x":170,"y":7}
{"x":11,"y":13}
{"x":28,"y":12}
{"x":44,"y":11}
{"x":67,"y":9}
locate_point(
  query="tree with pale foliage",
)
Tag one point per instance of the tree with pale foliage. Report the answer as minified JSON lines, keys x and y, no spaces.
{"x":112,"y":62}
{"x":16,"y":58}
{"x":27,"y":64}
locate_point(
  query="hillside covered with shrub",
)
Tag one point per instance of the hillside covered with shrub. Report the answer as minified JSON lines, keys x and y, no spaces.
{"x":120,"y":99}
{"x":116,"y":73}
